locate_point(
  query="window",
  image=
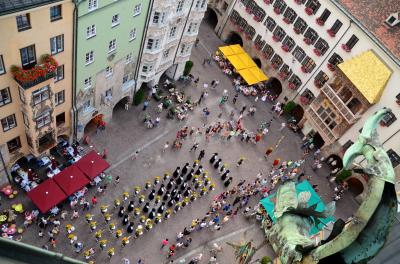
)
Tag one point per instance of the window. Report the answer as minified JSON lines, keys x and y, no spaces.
{"x":165,"y":54}
{"x":88,"y":82}
{"x":279,"y":6}
{"x":179,"y":7}
{"x":388,"y":119}
{"x":336,"y":26}
{"x":55,"y":13}
{"x":89,"y":57}
{"x":109,"y":93}
{"x":324,"y":16}
{"x":128,"y":58}
{"x":289,"y":43}
{"x":295,"y":81}
{"x":28,"y":56}
{"x":57,"y":44}
{"x":311,"y":35}
{"x":185,"y":49}
{"x":125,"y":78}
{"x":109,"y":71}
{"x":147,"y":68}
{"x":268,"y":51}
{"x":172,"y":32}
{"x":321,"y":79}
{"x":14,"y":144}
{"x":8,"y":122}
{"x":335,"y":59}
{"x":112,"y":45}
{"x":158,"y":18}
{"x":137,"y":10}
{"x":308,"y":64}
{"x":60,"y":119}
{"x":115,"y":20}
{"x":328,"y":117}
{"x":322,"y":46}
{"x":314,"y":5}
{"x":352,"y":42}
{"x":26,"y":119}
{"x":92,"y":5}
{"x":201,"y":4}
{"x":2,"y":67}
{"x":153,"y":44}
{"x":300,"y":25}
{"x":270,"y":23}
{"x":90,"y":31}
{"x":289,"y":15}
{"x":23,"y":22}
{"x":40,"y":95}
{"x":59,"y":73}
{"x":276,"y":61}
{"x":192,"y":28}
{"x":132,"y":34}
{"x":5,"y":96}
{"x":43,"y":119}
{"x":299,"y":54}
{"x":279,"y":33}
{"x":29,"y":140}
{"x":86,"y":106}
{"x":394,"y":157}
{"x":59,"y":98}
{"x":21,"y":94}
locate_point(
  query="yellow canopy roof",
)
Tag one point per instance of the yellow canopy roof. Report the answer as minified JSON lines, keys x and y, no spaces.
{"x":368,"y":74}
{"x":253,"y":75}
{"x":231,"y":50}
{"x":241,"y":61}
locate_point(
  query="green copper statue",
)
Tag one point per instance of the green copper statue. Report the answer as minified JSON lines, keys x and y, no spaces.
{"x":359,"y":240}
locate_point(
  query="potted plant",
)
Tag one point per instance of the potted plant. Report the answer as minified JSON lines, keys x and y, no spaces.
{"x":275,"y":65}
{"x":292,"y":86}
{"x":248,"y":36}
{"x":346,"y":48}
{"x":248,"y":10}
{"x":317,"y":52}
{"x":267,"y":2}
{"x":286,"y":20}
{"x":309,"y":11}
{"x":317,"y":83}
{"x":297,"y":30}
{"x":307,"y":41}
{"x":331,"y":67}
{"x":265,"y":55}
{"x":266,"y":260}
{"x":282,"y":75}
{"x":258,"y":19}
{"x":139,"y":97}
{"x":297,"y":2}
{"x":304,"y":69}
{"x":331,"y":33}
{"x":277,"y":11}
{"x":285,"y":48}
{"x":240,"y":29}
{"x":343,"y":175}
{"x":257,"y":46}
{"x":188,"y":68}
{"x":275,"y":38}
{"x":320,"y":21}
{"x":304,"y":100}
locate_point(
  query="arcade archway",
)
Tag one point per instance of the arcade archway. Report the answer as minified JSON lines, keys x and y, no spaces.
{"x":258,"y":62}
{"x":334,"y":161}
{"x":274,"y":85}
{"x":355,"y":186}
{"x":297,"y":113}
{"x":318,"y":141}
{"x":93,"y":123}
{"x":234,"y":38}
{"x":211,"y":18}
{"x":120,"y":106}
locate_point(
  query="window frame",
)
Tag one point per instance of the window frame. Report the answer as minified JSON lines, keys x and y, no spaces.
{"x":92,"y":5}
{"x":335,"y":59}
{"x":311,"y":34}
{"x":172,"y":30}
{"x":280,"y":5}
{"x":279,"y":32}
{"x":132,"y":34}
{"x":2,"y":66}
{"x":314,"y":5}
{"x":290,"y":14}
{"x":2,"y":100}
{"x":31,"y":60}
{"x":128,"y":58}
{"x":57,"y":78}
{"x":336,"y":26}
{"x":393,"y":154}
{"x":40,"y":92}
{"x":352,"y":41}
{"x":116,"y":22}
{"x":299,"y":50}
{"x":44,"y":117}
{"x":309,"y":64}
{"x":322,"y":45}
{"x":288,"y":41}
{"x":23,"y":25}
{"x":57,"y":96}
{"x":321,"y":77}
{"x":300,"y":24}
{"x":58,"y":17}
{"x":89,"y":59}
{"x":270,"y":24}
{"x":179,"y":6}
{"x":8,"y":126}
{"x":89,"y":31}
{"x":19,"y":145}
{"x":296,"y":81}
{"x":388,"y":119}
{"x":58,"y":123}
{"x":109,"y":71}
{"x":137,"y":10}
{"x":325,"y":15}
{"x":57,"y":42}
{"x":87,"y":83}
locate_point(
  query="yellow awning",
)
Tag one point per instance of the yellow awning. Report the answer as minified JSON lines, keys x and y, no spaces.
{"x":253,"y":75}
{"x":368,"y":74}
{"x":241,"y":61}
{"x":231,"y":50}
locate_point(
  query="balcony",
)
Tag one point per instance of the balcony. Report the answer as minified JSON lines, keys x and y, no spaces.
{"x":38,"y":74}
{"x":319,"y":124}
{"x":338,"y":103}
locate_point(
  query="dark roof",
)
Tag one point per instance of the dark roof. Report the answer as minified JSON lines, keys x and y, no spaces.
{"x":372,"y":14}
{"x":13,"y":6}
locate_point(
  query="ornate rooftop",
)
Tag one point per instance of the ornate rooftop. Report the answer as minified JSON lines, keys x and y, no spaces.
{"x":13,"y":6}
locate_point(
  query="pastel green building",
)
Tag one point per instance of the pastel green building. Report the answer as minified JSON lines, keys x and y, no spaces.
{"x":108,"y":39}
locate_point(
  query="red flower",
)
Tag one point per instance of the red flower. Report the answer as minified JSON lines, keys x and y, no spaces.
{"x":331,"y":33}
{"x":286,"y":20}
{"x":282,"y":75}
{"x":297,"y":30}
{"x":275,"y":38}
{"x":317,"y":52}
{"x":320,"y":21}
{"x":304,"y":69}
{"x":267,"y":2}
{"x":248,"y":10}
{"x":331,"y":67}
{"x":240,"y":29}
{"x":309,"y":11}
{"x":285,"y":48}
{"x":257,"y":46}
{"x":292,"y":86}
{"x":304,"y":100}
{"x":307,"y":41}
{"x":346,"y":48}
{"x":277,"y":11}
{"x":317,"y":83}
{"x":298,"y":2}
{"x":265,"y":55}
{"x":256,"y":18}
{"x":275,"y":66}
{"x":248,"y":37}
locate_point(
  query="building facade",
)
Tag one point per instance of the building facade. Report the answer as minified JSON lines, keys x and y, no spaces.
{"x":35,"y":78}
{"x":108,"y":42}
{"x":172,"y":31}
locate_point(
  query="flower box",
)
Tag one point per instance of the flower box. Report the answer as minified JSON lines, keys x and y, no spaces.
{"x":304,"y":69}
{"x":309,"y":11}
{"x":331,"y":67}
{"x":267,"y":2}
{"x":240,"y":29}
{"x":41,"y":72}
{"x":297,"y":2}
{"x":277,"y":11}
{"x":248,"y":37}
{"x":331,"y":33}
{"x":286,"y":20}
{"x":317,"y":52}
{"x":320,"y":21}
{"x":304,"y":100}
{"x":258,"y":19}
{"x":317,"y":83}
{"x":265,"y":55}
{"x":275,"y":66}
{"x":282,"y":75}
{"x":285,"y":48}
{"x":249,"y":10}
{"x":297,"y":30}
{"x":257,"y":46}
{"x":346,"y":48}
{"x":292,"y":86}
{"x":307,"y":41}
{"x":275,"y":38}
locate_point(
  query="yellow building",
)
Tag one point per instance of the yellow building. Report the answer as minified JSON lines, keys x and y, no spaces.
{"x":35,"y":77}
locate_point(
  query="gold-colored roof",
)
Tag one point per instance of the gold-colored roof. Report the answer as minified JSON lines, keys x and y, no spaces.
{"x":368,"y":74}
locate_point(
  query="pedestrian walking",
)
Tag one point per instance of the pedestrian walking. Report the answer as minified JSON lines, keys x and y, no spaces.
{"x":145,"y":105}
{"x":164,"y":243}
{"x":94,"y":201}
{"x":228,"y":182}
{"x":235,"y":98}
{"x":268,"y":152}
{"x":206,"y":112}
{"x":243,"y":109}
{"x":117,"y":179}
{"x":166,"y":146}
{"x":283,"y":125}
{"x":201,"y":154}
{"x":194,"y":147}
{"x":201,"y":97}
{"x":240,"y":161}
{"x":213,"y":158}
{"x":135,"y":155}
{"x":75,"y":215}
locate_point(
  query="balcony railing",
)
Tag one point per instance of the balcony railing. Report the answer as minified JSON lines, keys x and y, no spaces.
{"x":320,"y":125}
{"x":339,"y":104}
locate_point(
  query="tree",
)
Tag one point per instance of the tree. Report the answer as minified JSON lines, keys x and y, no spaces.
{"x":188,"y":67}
{"x":139,"y":97}
{"x":266,"y":260}
{"x":288,"y":108}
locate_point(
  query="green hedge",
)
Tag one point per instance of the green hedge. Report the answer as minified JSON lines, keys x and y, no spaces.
{"x":289,"y":106}
{"x":343,"y":175}
{"x":188,"y":68}
{"x":139,"y":97}
{"x":266,"y":260}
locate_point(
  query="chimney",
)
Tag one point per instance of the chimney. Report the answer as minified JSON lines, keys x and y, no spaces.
{"x":393,"y":20}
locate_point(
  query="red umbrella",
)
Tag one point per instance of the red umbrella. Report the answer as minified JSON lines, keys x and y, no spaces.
{"x":71,"y":179}
{"x":46,"y":195}
{"x":92,"y":164}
